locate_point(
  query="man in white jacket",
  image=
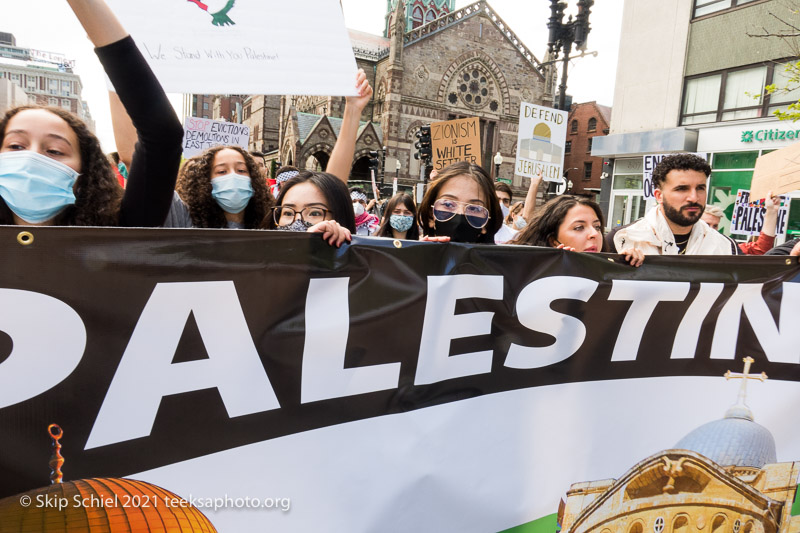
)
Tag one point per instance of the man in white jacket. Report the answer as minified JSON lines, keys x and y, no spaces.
{"x":674,"y":226}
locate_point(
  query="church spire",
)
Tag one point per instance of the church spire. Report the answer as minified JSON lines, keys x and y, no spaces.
{"x":396,"y":34}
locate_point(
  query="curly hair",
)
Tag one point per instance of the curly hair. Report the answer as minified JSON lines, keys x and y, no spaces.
{"x":543,"y":229}
{"x":194,"y":188}
{"x":678,"y":162}
{"x":98,"y":195}
{"x":477,"y":174}
{"x":385,"y":229}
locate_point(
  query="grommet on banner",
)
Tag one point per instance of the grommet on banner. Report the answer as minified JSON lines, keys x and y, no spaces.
{"x":610,"y":259}
{"x":788,"y":261}
{"x":25,"y":238}
{"x":397,"y":244}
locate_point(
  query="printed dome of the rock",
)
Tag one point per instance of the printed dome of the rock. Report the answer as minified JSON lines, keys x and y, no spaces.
{"x":151,"y":512}
{"x":541,"y":131}
{"x":736,"y":440}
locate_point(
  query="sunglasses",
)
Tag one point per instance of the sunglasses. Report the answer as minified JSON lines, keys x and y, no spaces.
{"x":444,"y":209}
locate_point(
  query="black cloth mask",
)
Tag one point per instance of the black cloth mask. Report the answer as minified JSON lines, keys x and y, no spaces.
{"x":458,"y":229}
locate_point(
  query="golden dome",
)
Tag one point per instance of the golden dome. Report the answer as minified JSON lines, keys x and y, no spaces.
{"x":100,"y":505}
{"x":541,"y":130}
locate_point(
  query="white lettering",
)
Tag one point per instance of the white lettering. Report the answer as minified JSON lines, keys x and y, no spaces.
{"x":146,"y":373}
{"x":688,"y":333}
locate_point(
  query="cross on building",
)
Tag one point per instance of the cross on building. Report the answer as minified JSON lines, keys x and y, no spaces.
{"x":744,"y":376}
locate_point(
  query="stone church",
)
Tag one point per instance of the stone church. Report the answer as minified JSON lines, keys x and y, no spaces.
{"x":433,"y":63}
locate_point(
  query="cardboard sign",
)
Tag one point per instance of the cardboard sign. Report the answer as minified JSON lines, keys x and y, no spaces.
{"x":748,"y":216}
{"x":200,"y":134}
{"x":540,"y":145}
{"x":456,"y":140}
{"x":777,"y":171}
{"x":649,"y":164}
{"x":226,"y":47}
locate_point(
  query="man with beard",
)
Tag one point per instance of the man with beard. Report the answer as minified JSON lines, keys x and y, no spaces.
{"x":674,"y":226}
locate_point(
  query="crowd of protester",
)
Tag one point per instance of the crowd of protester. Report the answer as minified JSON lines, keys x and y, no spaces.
{"x":53,"y":172}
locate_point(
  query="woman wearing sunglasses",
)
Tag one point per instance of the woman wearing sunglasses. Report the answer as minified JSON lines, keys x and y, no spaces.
{"x":461,"y":206}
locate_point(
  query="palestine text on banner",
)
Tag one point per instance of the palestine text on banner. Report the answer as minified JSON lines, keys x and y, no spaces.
{"x":200,"y":134}
{"x":219,"y":47}
{"x":540,"y":145}
{"x":748,"y":217}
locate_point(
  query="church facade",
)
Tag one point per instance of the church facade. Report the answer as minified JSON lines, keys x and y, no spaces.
{"x":451,"y":64}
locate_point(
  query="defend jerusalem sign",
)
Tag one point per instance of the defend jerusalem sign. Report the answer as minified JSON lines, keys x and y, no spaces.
{"x":456,"y":140}
{"x":540,"y":145}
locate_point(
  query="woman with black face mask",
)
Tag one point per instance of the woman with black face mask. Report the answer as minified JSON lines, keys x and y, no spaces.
{"x":461,"y":206}
{"x":315,"y":202}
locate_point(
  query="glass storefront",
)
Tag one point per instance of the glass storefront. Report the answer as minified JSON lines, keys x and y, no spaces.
{"x":627,"y":199}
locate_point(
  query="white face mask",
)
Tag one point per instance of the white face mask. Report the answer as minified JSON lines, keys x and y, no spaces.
{"x":358,"y":209}
{"x":504,"y":209}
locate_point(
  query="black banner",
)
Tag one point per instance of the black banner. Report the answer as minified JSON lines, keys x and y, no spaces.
{"x":151,"y":347}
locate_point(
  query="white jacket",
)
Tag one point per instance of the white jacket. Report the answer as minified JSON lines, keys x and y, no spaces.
{"x":652,"y":235}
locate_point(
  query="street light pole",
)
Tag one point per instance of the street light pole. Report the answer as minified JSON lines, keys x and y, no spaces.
{"x":563,"y":35}
{"x":498,"y":160}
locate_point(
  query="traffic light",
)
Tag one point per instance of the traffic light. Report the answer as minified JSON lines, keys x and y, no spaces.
{"x":423,"y":145}
{"x":374,"y":162}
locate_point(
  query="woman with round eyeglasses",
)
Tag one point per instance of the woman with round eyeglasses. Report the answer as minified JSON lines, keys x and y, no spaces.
{"x":315,"y":202}
{"x":399,"y":219}
{"x":461,"y":206}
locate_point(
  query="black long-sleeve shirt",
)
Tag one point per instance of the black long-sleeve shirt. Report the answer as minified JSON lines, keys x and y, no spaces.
{"x":157,"y":155}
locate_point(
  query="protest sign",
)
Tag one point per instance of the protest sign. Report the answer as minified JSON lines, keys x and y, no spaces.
{"x":456,"y":140}
{"x":278,"y":383}
{"x":200,"y":134}
{"x":777,"y":171}
{"x":226,"y":47}
{"x":649,"y":164}
{"x":540,"y":145}
{"x":748,"y":216}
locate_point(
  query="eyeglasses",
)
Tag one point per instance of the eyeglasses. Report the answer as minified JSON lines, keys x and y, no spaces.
{"x":477,"y":216}
{"x":283,"y":216}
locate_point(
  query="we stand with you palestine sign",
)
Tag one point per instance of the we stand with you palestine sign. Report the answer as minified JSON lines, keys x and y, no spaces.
{"x":519,"y":376}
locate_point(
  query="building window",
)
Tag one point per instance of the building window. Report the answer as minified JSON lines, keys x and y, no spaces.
{"x":430,"y":16}
{"x":568,"y":147}
{"x":66,"y":104}
{"x":52,"y":101}
{"x":574,"y":126}
{"x":587,"y":170}
{"x":592,"y":124}
{"x":589,"y":145}
{"x":705,"y":7}
{"x":736,"y":94}
{"x":416,"y":17}
{"x":205,"y":106}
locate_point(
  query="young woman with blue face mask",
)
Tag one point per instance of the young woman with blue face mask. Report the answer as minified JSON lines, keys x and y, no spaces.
{"x":220,"y":188}
{"x":399,"y":219}
{"x":52,"y":170}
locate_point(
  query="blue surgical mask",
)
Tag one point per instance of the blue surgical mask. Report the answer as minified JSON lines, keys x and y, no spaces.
{"x":520,"y":223}
{"x":401,"y":222}
{"x":232,"y":192}
{"x":35,"y":187}
{"x":504,"y":209}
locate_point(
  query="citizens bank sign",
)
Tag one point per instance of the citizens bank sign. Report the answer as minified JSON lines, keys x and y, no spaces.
{"x":749,"y":136}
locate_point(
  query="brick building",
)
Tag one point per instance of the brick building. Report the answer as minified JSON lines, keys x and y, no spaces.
{"x":586,"y":121}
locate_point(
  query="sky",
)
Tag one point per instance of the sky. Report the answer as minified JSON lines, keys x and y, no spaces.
{"x":49,"y":25}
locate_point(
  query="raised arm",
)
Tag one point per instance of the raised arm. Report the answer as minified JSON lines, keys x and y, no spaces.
{"x":99,"y":21}
{"x":124,"y":132}
{"x":341,"y":159}
{"x":530,"y":198}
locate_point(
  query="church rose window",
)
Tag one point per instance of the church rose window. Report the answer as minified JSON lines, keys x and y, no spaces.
{"x":452,"y":98}
{"x":477,"y":87}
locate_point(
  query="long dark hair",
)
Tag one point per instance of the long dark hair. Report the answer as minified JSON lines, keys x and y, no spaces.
{"x":385,"y":229}
{"x":98,"y":194}
{"x":543,"y":229}
{"x":483,"y":180}
{"x":194,"y":188}
{"x":337,"y":198}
